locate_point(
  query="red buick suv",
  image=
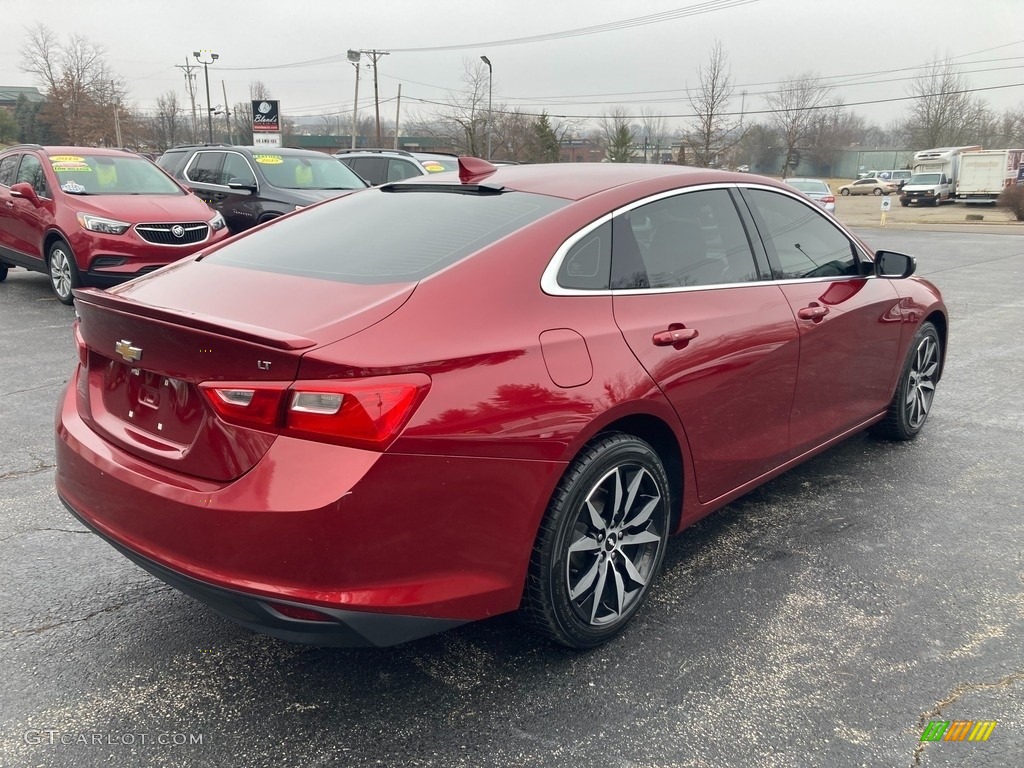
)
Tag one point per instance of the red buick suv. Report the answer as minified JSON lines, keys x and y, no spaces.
{"x":95,"y":217}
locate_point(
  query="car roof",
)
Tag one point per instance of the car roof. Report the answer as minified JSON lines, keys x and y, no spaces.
{"x":578,"y":180}
{"x":251,"y":149}
{"x":50,"y":151}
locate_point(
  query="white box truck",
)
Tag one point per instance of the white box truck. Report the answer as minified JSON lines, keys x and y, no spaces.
{"x":934,"y":176}
{"x":983,"y":175}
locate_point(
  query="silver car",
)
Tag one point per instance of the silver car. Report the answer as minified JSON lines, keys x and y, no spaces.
{"x":817,"y":190}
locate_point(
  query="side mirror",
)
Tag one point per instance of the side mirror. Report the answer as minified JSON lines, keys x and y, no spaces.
{"x":241,"y":186}
{"x":893,"y":264}
{"x":25,"y":190}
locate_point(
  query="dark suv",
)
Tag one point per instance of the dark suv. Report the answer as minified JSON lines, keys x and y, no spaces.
{"x":380,"y":166}
{"x":251,"y":185}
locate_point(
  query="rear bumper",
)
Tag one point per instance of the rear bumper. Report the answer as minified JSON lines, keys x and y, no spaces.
{"x":390,"y":546}
{"x":350,"y":629}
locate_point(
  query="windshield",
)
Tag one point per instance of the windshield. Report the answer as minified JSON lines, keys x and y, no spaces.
{"x":306,"y":172}
{"x":812,"y":187}
{"x":925,"y":178}
{"x":82,"y":174}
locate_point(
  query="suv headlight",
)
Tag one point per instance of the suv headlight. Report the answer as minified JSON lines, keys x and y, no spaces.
{"x":217,"y":222}
{"x":105,"y":226}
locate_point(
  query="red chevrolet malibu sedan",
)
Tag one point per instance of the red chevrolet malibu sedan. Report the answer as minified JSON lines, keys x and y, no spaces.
{"x":448,"y":398}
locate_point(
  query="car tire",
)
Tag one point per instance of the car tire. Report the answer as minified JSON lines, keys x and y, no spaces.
{"x":64,"y":277}
{"x":876,"y":191}
{"x":916,"y":389}
{"x":600,"y":545}
{"x":4,"y":269}
{"x":904,"y":203}
{"x":844,"y":192}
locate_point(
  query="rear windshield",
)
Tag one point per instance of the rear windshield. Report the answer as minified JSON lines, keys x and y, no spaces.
{"x":435,"y":165}
{"x":385,"y":237}
{"x":813,"y":187}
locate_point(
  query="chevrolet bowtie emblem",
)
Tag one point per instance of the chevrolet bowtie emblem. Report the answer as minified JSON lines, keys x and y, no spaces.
{"x":125,"y":349}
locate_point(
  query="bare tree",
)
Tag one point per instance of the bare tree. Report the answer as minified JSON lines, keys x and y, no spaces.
{"x":242,"y":112}
{"x":655,"y":133}
{"x":616,"y":134}
{"x":759,"y":147}
{"x":793,"y":113}
{"x":333,"y":124}
{"x":81,"y":89}
{"x":943,"y":112}
{"x":462,"y":122}
{"x":169,"y":124}
{"x":833,"y":130}
{"x":713,"y":131}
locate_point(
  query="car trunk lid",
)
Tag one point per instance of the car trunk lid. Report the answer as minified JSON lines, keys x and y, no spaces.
{"x":143,"y":362}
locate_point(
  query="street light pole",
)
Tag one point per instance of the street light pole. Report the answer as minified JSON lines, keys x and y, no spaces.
{"x":200,"y":56}
{"x":354,"y":56}
{"x":490,"y":113}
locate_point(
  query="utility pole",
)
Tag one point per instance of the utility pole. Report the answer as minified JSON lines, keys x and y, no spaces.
{"x":190,"y":88}
{"x":374,"y":58}
{"x":397,"y":115}
{"x":117,"y":119}
{"x":353,"y":58}
{"x":227,"y":112}
{"x":201,"y":57}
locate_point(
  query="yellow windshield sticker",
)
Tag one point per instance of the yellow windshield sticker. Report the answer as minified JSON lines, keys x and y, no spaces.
{"x":433,"y":167}
{"x":268,"y":159}
{"x":66,"y":159}
{"x":69,"y":167}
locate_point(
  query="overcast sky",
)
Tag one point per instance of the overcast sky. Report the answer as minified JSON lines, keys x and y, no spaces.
{"x":870,"y":48}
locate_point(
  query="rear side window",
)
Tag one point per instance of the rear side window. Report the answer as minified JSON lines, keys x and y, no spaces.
{"x":385,"y":237}
{"x":588,"y":263}
{"x":173,"y":162}
{"x":373,"y":169}
{"x":8,"y":166}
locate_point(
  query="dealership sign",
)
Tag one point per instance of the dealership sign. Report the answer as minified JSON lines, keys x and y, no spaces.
{"x":266,"y":116}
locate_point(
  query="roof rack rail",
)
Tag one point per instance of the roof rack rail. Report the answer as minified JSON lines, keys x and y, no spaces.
{"x":23,"y":146}
{"x":374,"y":149}
{"x":192,"y":146}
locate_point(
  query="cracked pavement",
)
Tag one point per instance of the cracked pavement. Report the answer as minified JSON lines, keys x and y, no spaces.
{"x":822,"y":620}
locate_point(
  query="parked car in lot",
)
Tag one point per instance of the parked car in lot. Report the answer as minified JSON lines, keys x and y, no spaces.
{"x":819,"y":191}
{"x":379,"y":166}
{"x":252,"y":185}
{"x":91,"y":216}
{"x":868,"y":186}
{"x":452,"y":397}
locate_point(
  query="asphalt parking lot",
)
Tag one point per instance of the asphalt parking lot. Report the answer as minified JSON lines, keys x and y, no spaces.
{"x":822,"y":620}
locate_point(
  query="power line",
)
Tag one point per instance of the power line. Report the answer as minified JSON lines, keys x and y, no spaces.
{"x":755,"y":111}
{"x":699,"y":9}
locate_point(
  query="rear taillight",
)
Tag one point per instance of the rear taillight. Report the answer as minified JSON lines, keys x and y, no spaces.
{"x":366,"y":413}
{"x":828,"y":199}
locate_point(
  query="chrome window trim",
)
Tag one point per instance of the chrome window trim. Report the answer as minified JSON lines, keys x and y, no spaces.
{"x":549,"y":278}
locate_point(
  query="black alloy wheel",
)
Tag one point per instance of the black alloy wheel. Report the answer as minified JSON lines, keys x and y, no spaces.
{"x":601,"y":544}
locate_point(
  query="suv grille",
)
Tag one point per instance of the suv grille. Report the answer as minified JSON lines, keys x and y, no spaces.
{"x":174,"y":234}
